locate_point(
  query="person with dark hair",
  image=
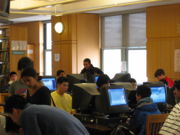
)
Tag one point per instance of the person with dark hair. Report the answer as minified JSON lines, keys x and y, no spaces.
{"x":89,"y":70}
{"x":160,"y":75}
{"x":12,"y":77}
{"x":133,"y":82}
{"x":98,"y":72}
{"x":103,"y":81}
{"x":177,"y":91}
{"x":88,"y":67}
{"x":132,"y":94}
{"x":60,"y":98}
{"x":60,"y":73}
{"x":25,"y":62}
{"x":144,"y":107}
{"x":39,"y":94}
{"x":42,"y":119}
{"x":19,"y":87}
{"x":171,"y":125}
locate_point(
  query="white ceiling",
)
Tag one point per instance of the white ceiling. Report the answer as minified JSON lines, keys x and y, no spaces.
{"x":37,"y":10}
{"x":134,"y":7}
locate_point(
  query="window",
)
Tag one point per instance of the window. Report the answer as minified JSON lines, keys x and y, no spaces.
{"x":137,"y":65}
{"x":112,"y":62}
{"x":47,"y":49}
{"x":124,"y":45}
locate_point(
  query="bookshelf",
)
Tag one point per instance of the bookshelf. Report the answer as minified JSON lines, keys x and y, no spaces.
{"x":4,"y":50}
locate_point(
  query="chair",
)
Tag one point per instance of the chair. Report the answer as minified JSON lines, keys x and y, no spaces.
{"x":154,"y":123}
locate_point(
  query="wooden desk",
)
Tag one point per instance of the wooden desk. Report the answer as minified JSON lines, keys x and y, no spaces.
{"x":2,"y":100}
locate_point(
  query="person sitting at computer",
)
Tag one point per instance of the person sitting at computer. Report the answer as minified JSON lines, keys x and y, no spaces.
{"x":103,"y":82}
{"x":144,"y":107}
{"x":12,"y":77}
{"x":39,"y":94}
{"x":60,"y":98}
{"x":133,"y":83}
{"x":60,"y":73}
{"x":172,"y":124}
{"x":160,"y":75}
{"x":89,"y":70}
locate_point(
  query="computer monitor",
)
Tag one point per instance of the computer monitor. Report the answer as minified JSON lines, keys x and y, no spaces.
{"x":87,"y":99}
{"x":117,"y":97}
{"x":49,"y":82}
{"x":76,"y":78}
{"x":158,"y":94}
{"x":121,"y":77}
{"x":83,"y":97}
{"x":158,"y":91}
{"x":126,"y":85}
{"x":112,"y":100}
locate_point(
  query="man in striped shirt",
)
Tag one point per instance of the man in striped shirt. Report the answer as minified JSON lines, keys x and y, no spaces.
{"x":172,"y":123}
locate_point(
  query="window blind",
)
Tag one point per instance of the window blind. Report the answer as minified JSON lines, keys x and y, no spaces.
{"x":112,"y":32}
{"x":136,"y":30}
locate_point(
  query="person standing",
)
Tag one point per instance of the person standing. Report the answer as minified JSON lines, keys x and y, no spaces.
{"x":38,"y":94}
{"x":42,"y":119}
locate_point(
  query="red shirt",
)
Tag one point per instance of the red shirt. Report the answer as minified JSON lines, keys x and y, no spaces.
{"x":170,"y":82}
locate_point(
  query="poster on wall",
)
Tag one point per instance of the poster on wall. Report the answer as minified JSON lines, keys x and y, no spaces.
{"x":18,"y":45}
{"x":177,"y":60}
{"x":57,"y":57}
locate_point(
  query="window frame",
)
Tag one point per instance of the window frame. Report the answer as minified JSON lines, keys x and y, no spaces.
{"x":45,"y":45}
{"x":124,"y":49}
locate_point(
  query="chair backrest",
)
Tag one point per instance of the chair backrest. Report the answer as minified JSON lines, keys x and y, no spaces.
{"x":154,"y":123}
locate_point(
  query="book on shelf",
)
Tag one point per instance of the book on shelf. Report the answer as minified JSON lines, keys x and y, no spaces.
{"x":4,"y":57}
{"x":4,"y":68}
{"x":4,"y":50}
{"x":3,"y":45}
{"x":0,"y":45}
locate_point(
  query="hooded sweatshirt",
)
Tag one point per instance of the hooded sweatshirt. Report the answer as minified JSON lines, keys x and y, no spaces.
{"x":145,"y":107}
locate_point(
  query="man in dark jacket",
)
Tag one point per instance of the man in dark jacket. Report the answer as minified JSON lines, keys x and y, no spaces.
{"x":42,"y":119}
{"x":89,"y":70}
{"x":145,"y":107}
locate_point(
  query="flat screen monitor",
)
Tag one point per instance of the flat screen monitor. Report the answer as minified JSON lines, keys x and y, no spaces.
{"x":117,"y":97}
{"x":112,"y":100}
{"x":158,"y":94}
{"x":4,"y":7}
{"x":49,"y":82}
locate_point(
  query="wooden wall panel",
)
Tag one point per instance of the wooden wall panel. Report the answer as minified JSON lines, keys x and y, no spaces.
{"x":163,"y":38}
{"x":65,"y":51}
{"x":163,"y":21}
{"x":80,"y":39}
{"x":32,"y":32}
{"x":88,"y":39}
{"x":16,"y":33}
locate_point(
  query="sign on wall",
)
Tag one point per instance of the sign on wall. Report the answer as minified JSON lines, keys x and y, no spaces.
{"x":18,"y":45}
